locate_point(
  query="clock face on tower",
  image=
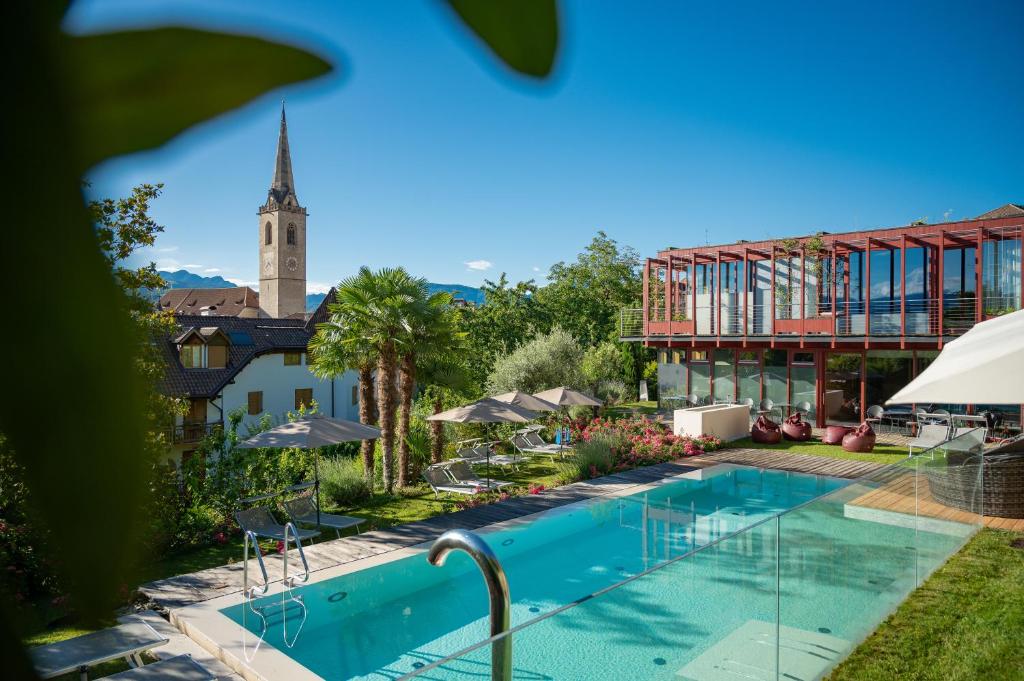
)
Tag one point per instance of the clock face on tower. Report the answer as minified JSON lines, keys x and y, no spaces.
{"x":268,"y":263}
{"x":293,"y":264}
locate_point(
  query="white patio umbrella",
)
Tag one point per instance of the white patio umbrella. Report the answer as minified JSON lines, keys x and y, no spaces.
{"x":311,"y":432}
{"x":486,"y":410}
{"x":983,"y":366}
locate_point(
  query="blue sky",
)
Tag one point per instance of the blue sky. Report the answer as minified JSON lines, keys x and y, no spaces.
{"x":666,"y":123}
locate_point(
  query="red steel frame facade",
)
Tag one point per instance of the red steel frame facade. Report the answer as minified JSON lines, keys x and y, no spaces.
{"x":667,"y":324}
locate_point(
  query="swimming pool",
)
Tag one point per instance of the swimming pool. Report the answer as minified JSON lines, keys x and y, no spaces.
{"x":390,"y":620}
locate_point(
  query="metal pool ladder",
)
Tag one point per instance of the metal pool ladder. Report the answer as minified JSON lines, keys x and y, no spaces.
{"x":290,"y":532}
{"x":497,"y":591}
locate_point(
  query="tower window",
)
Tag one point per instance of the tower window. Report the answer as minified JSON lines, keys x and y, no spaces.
{"x":291,"y":234}
{"x":268,"y":237}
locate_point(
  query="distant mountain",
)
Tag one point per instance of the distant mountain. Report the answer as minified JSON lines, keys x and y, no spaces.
{"x":186,"y":279}
{"x":467,"y":293}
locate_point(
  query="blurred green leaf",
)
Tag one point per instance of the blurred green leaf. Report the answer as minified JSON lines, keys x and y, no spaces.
{"x":522,"y":33}
{"x":136,"y":90}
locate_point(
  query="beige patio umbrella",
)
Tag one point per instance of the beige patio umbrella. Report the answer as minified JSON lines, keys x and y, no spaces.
{"x":487,"y":410}
{"x":526,"y":401}
{"x":567,"y":397}
{"x":311,"y":432}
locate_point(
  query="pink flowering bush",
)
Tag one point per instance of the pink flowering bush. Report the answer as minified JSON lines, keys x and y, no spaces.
{"x":482,"y":498}
{"x":605,"y":445}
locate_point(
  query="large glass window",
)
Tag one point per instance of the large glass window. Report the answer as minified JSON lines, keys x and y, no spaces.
{"x":748,"y":374}
{"x":700,"y":377}
{"x":842,"y":387}
{"x":802,"y":382}
{"x":775,"y":375}
{"x":886,"y":371}
{"x":725,"y":375}
{"x":1000,"y":272}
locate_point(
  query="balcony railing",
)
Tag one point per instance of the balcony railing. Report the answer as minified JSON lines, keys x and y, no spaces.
{"x":883,"y":317}
{"x":190,"y":433}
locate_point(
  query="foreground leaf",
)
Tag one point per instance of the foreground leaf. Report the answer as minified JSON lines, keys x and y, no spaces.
{"x":522,"y":33}
{"x":136,"y":90}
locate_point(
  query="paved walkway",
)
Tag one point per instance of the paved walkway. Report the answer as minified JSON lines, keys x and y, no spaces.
{"x":183,"y":590}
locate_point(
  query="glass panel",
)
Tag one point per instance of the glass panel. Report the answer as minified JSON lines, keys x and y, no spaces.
{"x":749,"y":381}
{"x":700,"y":379}
{"x":1000,"y":272}
{"x":959,"y":284}
{"x":847,"y":559}
{"x":886,"y":371}
{"x":842,"y":387}
{"x":802,"y":383}
{"x":775,"y":375}
{"x":725,"y":381}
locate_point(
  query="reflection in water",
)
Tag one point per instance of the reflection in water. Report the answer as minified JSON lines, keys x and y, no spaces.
{"x":289,"y":609}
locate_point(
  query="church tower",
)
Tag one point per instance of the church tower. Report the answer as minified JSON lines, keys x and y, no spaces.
{"x":282,"y":235}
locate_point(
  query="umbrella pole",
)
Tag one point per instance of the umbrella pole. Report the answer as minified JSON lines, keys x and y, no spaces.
{"x":489,"y":434}
{"x":316,"y":484}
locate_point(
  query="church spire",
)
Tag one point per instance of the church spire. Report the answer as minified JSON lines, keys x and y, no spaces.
{"x":282,"y":189}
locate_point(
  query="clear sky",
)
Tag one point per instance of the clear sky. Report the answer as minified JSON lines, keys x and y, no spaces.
{"x":667,"y":123}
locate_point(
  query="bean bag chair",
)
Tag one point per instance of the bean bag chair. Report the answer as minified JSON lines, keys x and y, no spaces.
{"x":860,"y":440}
{"x":796,"y":429}
{"x":834,"y":434}
{"x":765,"y":431}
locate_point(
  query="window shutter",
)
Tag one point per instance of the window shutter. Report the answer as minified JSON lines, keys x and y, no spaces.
{"x":255,"y":403}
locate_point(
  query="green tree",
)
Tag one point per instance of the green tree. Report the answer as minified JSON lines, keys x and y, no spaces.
{"x":584,"y":297}
{"x":546,"y":361}
{"x":445,"y":377}
{"x":431,"y":334}
{"x":509,"y":316}
{"x":334,"y":349}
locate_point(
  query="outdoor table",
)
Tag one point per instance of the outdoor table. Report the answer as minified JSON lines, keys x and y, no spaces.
{"x":78,"y":654}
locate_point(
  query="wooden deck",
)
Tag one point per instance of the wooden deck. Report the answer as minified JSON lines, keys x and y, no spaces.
{"x":898,"y":495}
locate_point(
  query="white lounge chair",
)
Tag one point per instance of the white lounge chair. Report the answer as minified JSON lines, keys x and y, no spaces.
{"x":523,"y":444}
{"x":967,"y":439}
{"x":930,"y":435}
{"x":77,"y":654}
{"x":483,"y":453}
{"x":302,"y":511}
{"x":461,"y":474}
{"x":440,"y":481}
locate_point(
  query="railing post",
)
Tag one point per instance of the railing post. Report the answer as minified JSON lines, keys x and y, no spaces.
{"x":942,"y":283}
{"x":497,"y":591}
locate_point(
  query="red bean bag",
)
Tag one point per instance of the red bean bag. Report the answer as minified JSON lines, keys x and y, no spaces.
{"x":834,"y":434}
{"x":765,"y":431}
{"x":860,"y":440}
{"x":796,"y":429}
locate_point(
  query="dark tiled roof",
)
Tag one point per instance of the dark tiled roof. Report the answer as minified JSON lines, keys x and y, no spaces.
{"x":1010,"y":210}
{"x":320,"y":314}
{"x":226,"y":302}
{"x":267,"y":335}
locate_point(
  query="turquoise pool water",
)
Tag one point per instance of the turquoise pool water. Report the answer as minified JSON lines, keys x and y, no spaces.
{"x":387,"y":621}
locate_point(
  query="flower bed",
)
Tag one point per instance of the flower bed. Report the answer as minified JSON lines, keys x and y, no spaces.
{"x":638,"y":441}
{"x":485,"y":498}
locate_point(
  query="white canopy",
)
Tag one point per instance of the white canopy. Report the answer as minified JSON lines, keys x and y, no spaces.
{"x":567,"y":397}
{"x":311,"y":432}
{"x":526,"y":401}
{"x":984,"y":366}
{"x":486,"y":410}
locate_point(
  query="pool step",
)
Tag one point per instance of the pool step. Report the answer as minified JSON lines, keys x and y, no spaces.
{"x":748,"y":654}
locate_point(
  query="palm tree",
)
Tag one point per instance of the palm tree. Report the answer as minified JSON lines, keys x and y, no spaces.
{"x":432,"y":332}
{"x":376,"y":307}
{"x":334,"y":350}
{"x":442,"y":375}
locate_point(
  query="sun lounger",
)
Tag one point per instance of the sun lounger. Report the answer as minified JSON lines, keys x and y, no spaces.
{"x":180,"y":668}
{"x":930,"y":435}
{"x":302,"y":511}
{"x":482,"y":453}
{"x":525,"y":446}
{"x":462,"y":474}
{"x":261,"y":522}
{"x":440,"y":481}
{"x":967,"y":440}
{"x":77,"y":654}
{"x":534,"y":438}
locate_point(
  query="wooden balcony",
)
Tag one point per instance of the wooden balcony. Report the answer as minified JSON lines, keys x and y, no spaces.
{"x":192,"y":433}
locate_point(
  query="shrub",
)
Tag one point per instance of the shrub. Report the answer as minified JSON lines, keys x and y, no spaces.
{"x":342,"y":481}
{"x":546,"y":361}
{"x":593,"y":458}
{"x":602,"y":363}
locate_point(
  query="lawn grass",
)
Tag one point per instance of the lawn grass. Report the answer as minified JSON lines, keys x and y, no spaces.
{"x":964,"y":623}
{"x":632,"y":409}
{"x":882,"y":454}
